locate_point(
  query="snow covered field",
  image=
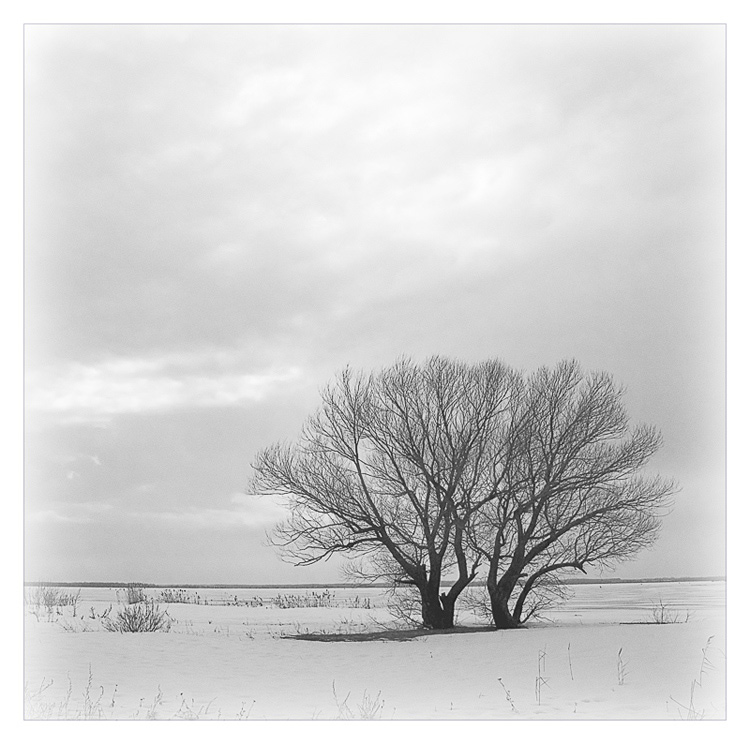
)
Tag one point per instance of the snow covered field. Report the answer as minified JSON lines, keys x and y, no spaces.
{"x":600,"y":655}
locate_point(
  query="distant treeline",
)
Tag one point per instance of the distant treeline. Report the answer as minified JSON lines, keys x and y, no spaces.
{"x":122,"y":584}
{"x":679,"y":579}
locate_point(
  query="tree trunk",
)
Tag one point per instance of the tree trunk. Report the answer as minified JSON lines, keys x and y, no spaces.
{"x":522,"y":598}
{"x":501,"y":614}
{"x":449,"y":605}
{"x":437,"y":609}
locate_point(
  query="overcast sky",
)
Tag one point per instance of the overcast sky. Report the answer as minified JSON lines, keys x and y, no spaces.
{"x":220,"y":218}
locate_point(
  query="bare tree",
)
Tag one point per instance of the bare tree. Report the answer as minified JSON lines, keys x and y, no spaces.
{"x":392,"y":468}
{"x":572,"y":494}
{"x":421,"y":472}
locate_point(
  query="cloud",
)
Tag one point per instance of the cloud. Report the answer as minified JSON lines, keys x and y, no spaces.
{"x":249,"y":511}
{"x":246,"y":511}
{"x":145,"y":385}
{"x":85,"y":512}
{"x":209,"y":189}
{"x":264,"y":509}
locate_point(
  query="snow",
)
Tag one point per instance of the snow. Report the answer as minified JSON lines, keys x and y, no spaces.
{"x":598,"y":656}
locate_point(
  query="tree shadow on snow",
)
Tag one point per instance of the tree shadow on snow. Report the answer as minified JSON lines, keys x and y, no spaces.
{"x":384,"y":635}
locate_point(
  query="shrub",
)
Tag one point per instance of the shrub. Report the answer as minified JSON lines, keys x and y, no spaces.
{"x":135,"y":594}
{"x":664,"y":615}
{"x":404,"y":605}
{"x":144,"y":617}
{"x":48,"y":598}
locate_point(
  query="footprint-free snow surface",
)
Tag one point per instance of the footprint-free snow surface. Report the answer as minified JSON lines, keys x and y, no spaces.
{"x":611,"y":651}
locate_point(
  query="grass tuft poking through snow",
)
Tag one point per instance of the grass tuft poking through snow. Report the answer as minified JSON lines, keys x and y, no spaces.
{"x":541,"y":680}
{"x":689,"y":712}
{"x":508,"y":696}
{"x":369,"y":709}
{"x":622,"y":669}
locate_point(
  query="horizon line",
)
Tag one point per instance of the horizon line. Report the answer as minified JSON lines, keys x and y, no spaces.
{"x":342,"y":585}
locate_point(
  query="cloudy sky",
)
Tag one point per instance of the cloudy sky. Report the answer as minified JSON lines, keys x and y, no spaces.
{"x":219,"y":218}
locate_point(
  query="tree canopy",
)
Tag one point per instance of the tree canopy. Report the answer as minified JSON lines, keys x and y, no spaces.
{"x":437,"y":471}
